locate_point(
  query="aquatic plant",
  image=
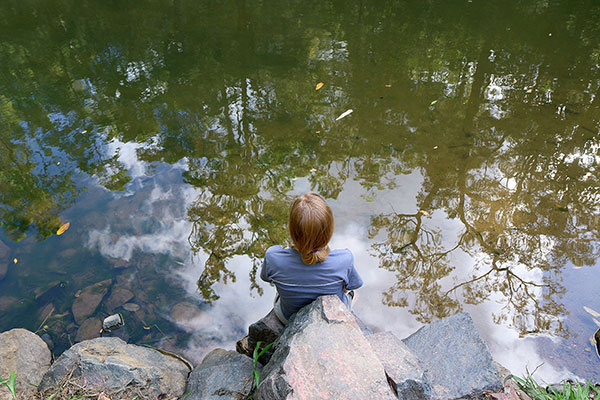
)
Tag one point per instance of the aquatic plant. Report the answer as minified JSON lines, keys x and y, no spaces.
{"x":569,"y":391}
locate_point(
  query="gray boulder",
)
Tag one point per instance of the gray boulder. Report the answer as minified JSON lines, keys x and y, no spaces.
{"x":458,"y":363}
{"x":109,"y":364}
{"x":323,"y":355}
{"x":402,"y":368}
{"x":222,"y":375}
{"x":25,"y":354}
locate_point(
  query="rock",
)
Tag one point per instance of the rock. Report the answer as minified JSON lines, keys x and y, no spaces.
{"x":67,"y":253}
{"x":457,"y":360}
{"x":511,"y":391}
{"x":3,"y":269}
{"x":89,"y":329}
{"x":7,"y":302}
{"x":266,"y":330}
{"x":131,"y":307}
{"x":44,"y":312}
{"x":119,"y":263}
{"x":118,"y":296}
{"x":88,"y":300}
{"x":25,"y":354}
{"x":48,"y":340}
{"x":185,"y":311}
{"x":222,"y":375}
{"x":402,"y":368}
{"x":4,"y":250}
{"x":242,"y":346}
{"x":108,"y":364}
{"x":322,"y":354}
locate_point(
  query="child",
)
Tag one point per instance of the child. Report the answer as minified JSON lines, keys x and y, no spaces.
{"x":309,"y":269}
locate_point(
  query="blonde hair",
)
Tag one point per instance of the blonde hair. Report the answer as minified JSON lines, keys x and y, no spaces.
{"x":311,"y":227}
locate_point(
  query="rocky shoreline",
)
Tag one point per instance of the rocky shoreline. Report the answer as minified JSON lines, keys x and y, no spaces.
{"x":325,"y":352}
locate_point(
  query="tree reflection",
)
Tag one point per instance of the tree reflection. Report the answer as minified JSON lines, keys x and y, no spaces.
{"x":501,"y":128}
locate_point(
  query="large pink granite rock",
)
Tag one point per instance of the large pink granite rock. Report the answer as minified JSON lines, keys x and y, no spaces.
{"x":323,"y":355}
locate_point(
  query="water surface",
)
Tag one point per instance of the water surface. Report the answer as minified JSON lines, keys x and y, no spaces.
{"x":173,"y":135}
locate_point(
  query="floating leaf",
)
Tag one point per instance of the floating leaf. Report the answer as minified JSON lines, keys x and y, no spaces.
{"x":344,"y":114}
{"x":318,"y":132}
{"x":319,"y":85}
{"x":179,"y":262}
{"x":147,"y":328}
{"x":514,"y":81}
{"x":15,"y":260}
{"x":424,"y":213}
{"x":313,"y":170}
{"x":591,"y":312}
{"x":84,"y":131}
{"x":294,"y":179}
{"x":433,"y":102}
{"x":63,"y":228}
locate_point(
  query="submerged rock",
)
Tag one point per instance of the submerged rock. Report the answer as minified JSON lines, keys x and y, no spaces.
{"x":89,"y":299}
{"x":89,"y":329}
{"x":6,"y":302}
{"x":457,"y":360}
{"x":118,"y":296}
{"x":26,"y":354}
{"x":323,"y":355}
{"x":402,"y":368}
{"x":222,"y":375}
{"x":110,"y":364}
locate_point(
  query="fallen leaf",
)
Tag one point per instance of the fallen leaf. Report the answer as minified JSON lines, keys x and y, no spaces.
{"x":147,"y":328}
{"x":15,"y":260}
{"x":63,"y":228}
{"x":78,"y":293}
{"x":318,"y":132}
{"x":435,"y":147}
{"x":344,"y":114}
{"x":84,"y":131}
{"x":591,"y":312}
{"x":529,"y":90}
{"x":423,"y":212}
{"x":514,"y":81}
{"x":294,"y":179}
{"x":313,"y":170}
{"x":433,"y":102}
{"x":179,"y":262}
{"x":319,"y":85}
{"x":388,"y":85}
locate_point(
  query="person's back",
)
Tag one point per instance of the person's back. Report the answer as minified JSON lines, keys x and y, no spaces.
{"x":309,"y":269}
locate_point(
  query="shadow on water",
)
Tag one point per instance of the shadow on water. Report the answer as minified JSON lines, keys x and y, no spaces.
{"x":495,"y":105}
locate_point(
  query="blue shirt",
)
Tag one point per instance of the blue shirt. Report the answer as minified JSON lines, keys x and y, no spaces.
{"x":298,"y":284}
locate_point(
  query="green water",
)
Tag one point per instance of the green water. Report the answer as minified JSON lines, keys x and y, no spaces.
{"x":469,"y":162}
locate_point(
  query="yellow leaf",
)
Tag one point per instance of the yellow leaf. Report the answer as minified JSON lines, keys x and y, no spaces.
{"x":63,"y":228}
{"x":147,"y":328}
{"x":294,"y":179}
{"x":319,"y":85}
{"x":179,"y":262}
{"x":423,"y":212}
{"x":15,"y":260}
{"x":313,"y":170}
{"x":529,"y":90}
{"x":591,"y":312}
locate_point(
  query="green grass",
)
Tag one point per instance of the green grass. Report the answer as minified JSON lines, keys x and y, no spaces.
{"x":10,"y":384}
{"x":569,"y":390}
{"x":255,"y":356}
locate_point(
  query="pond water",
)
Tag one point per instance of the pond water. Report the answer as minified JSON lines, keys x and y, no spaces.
{"x":173,"y":135}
